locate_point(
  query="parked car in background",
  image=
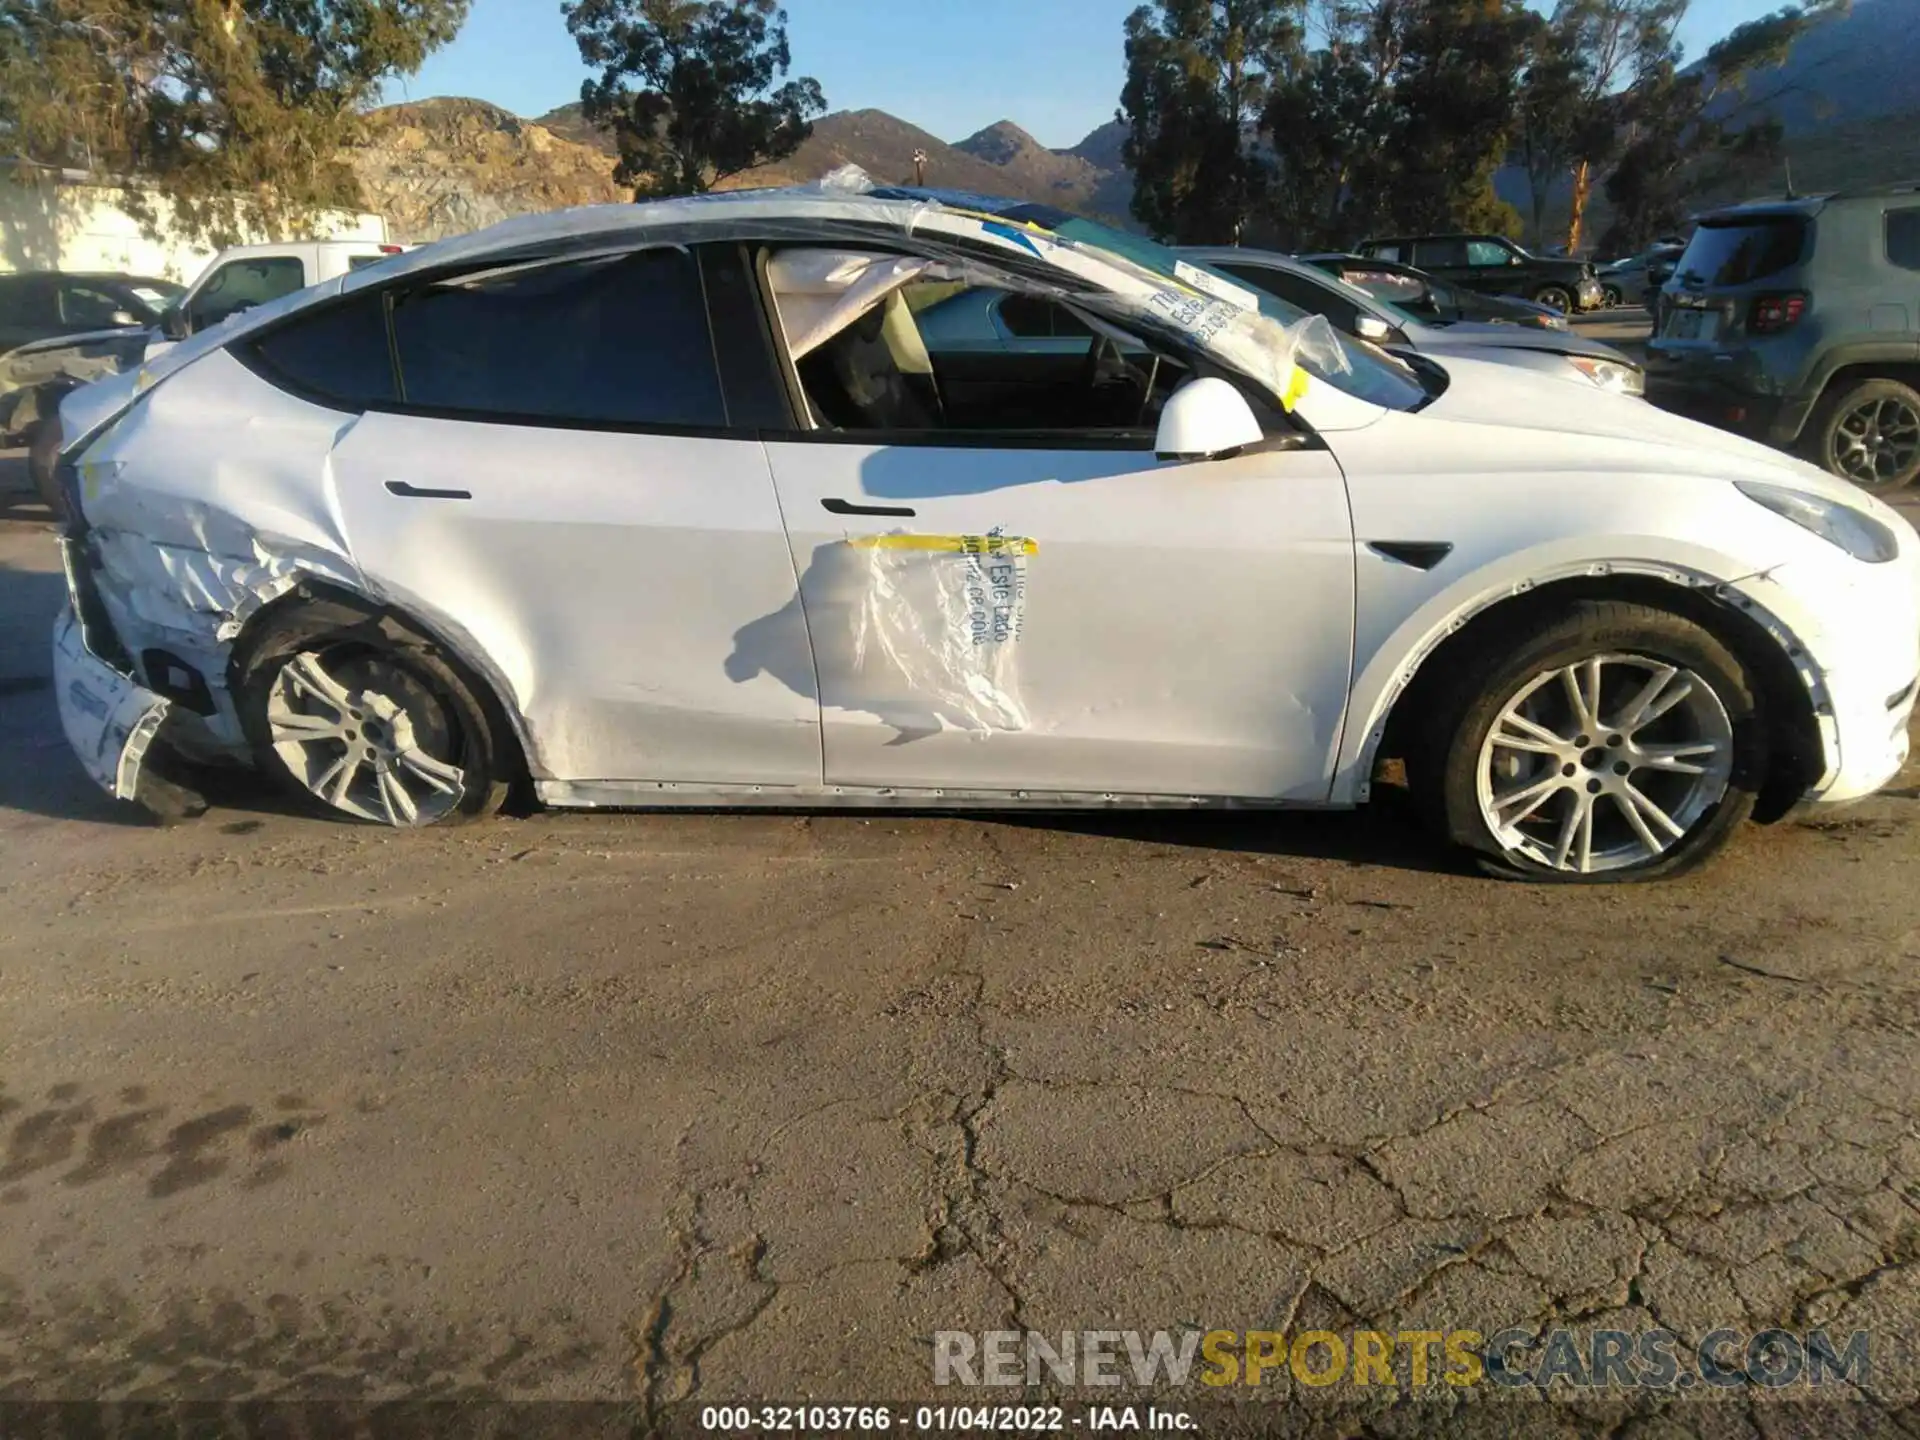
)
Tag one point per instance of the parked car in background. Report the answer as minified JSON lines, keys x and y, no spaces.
{"x":35,"y":378}
{"x":1494,"y":265}
{"x":1637,"y":279}
{"x":671,"y":504}
{"x":1350,"y":309}
{"x":1798,"y":322}
{"x":243,"y":276}
{"x":1434,"y":301}
{"x":43,"y":305}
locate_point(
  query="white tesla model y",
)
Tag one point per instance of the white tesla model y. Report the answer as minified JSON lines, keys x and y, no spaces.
{"x":673,"y":504}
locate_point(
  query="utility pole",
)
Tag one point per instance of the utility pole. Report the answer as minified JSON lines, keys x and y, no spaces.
{"x":919,"y":167}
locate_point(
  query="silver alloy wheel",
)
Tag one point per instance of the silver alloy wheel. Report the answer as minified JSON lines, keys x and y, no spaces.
{"x":1877,"y":441}
{"x":1554,"y":298}
{"x":1604,"y":763}
{"x":361,"y":739}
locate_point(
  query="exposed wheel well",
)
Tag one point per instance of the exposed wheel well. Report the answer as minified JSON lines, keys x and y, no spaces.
{"x":1795,"y":755}
{"x":348,"y":608}
{"x":1847,"y":375}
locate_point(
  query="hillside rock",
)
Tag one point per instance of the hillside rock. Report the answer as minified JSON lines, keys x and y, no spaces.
{"x":443,"y":167}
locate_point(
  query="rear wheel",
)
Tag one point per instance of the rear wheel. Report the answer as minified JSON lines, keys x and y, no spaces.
{"x":370,"y":719}
{"x":1554,"y":297}
{"x":1611,"y":742}
{"x":1611,"y":297}
{"x":1869,"y":433}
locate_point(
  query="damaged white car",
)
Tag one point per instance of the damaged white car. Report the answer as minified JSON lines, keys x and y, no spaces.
{"x":670,"y":504}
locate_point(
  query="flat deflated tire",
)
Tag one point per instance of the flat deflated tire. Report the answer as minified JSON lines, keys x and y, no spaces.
{"x":1609,"y":742}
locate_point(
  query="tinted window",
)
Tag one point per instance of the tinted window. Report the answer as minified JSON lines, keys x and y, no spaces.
{"x":1429,"y":253}
{"x":1732,"y":252}
{"x":616,"y":341}
{"x":84,"y":305}
{"x":1903,"y":238}
{"x":25,"y":300}
{"x":242,"y":284}
{"x":338,"y":352}
{"x":1386,"y":252}
{"x":1487,"y":252}
{"x":1298,"y":291}
{"x":1030,"y":316}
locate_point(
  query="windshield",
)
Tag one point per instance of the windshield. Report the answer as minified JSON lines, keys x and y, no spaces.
{"x":1371,"y":374}
{"x":1738,"y":249}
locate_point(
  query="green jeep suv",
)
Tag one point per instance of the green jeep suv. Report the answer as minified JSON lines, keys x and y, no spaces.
{"x":1798,"y":322}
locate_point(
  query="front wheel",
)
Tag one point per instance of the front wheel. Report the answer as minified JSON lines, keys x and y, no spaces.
{"x":1612,"y":742}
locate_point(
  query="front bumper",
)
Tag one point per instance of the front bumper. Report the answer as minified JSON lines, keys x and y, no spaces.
{"x":110,"y":720}
{"x":1856,"y":633}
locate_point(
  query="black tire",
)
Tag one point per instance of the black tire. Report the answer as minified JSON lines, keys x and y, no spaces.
{"x":1555,"y":297}
{"x":1826,"y":443}
{"x":1444,"y":766}
{"x":43,"y":454}
{"x":473,"y":730}
{"x":1611,"y":298}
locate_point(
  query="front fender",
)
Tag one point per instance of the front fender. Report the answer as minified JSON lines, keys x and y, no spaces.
{"x":1388,"y":666}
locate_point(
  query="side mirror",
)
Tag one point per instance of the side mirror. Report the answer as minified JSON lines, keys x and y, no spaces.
{"x":124,"y":317}
{"x":1206,"y":419}
{"x":1372,"y":327}
{"x":173,"y":324}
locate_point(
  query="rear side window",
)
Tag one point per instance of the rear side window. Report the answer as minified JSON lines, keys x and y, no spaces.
{"x":1903,"y":238}
{"x":1384,"y":252}
{"x":1733,"y":252}
{"x":336,"y":354}
{"x":620,"y":341}
{"x":1429,"y":253}
{"x":26,"y":300}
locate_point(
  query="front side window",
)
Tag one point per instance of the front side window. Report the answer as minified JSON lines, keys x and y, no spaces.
{"x":1297,"y":290}
{"x":619,"y":340}
{"x":242,"y":284}
{"x":84,"y":305}
{"x":897,"y":354}
{"x":1488,"y":252}
{"x":1903,"y":238}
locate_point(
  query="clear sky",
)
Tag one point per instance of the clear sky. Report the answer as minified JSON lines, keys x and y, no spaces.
{"x":948,"y":66}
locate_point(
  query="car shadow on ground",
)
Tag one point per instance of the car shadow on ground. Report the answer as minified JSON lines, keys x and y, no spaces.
{"x":1384,"y":834}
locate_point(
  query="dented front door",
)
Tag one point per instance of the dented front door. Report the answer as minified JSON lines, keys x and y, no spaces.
{"x":1183,"y":629}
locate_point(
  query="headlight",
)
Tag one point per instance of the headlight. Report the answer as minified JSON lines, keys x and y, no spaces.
{"x":1614,"y":375}
{"x":1861,"y":536}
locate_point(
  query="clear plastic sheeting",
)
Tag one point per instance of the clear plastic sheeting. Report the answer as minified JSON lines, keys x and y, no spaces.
{"x":945,"y":612}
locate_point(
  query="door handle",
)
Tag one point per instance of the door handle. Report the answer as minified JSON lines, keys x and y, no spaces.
{"x":835,"y":506}
{"x":416,"y":492}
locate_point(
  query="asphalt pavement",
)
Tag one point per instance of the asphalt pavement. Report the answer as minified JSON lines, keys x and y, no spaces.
{"x":673,"y":1110}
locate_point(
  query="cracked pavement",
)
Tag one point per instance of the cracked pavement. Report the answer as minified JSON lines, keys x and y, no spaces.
{"x":677,"y":1109}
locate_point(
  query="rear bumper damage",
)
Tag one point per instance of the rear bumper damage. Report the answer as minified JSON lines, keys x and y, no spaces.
{"x":110,"y":720}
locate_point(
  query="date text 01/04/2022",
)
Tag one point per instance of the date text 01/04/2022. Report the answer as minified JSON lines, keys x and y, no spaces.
{"x":959,"y":1419}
